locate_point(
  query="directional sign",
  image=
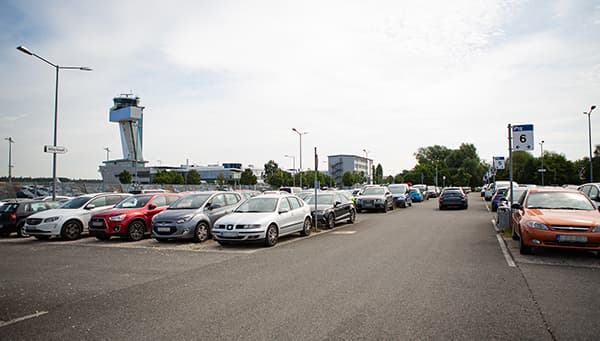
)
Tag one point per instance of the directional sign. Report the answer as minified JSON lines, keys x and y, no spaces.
{"x":542,"y":170}
{"x":55,"y":149}
{"x":523,"y":137}
{"x":499,"y":162}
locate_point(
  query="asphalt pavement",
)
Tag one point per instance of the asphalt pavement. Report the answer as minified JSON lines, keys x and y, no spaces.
{"x":414,"y":273}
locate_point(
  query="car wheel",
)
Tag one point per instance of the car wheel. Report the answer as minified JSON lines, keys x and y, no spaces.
{"x":21,"y":230}
{"x":514,"y":234}
{"x":162,"y":240}
{"x":441,"y":207}
{"x":42,"y":237}
{"x":466,"y":206}
{"x":71,"y":230}
{"x":331,"y":221}
{"x":352,"y":217}
{"x":392,"y":206}
{"x":306,"y":228}
{"x":385,"y":208}
{"x":201,"y":232}
{"x":523,"y":249}
{"x":102,"y":237}
{"x":4,"y":234}
{"x":136,"y":231}
{"x":272,"y":235}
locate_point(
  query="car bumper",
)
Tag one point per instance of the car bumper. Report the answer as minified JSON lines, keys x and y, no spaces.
{"x":456,"y":203}
{"x":43,"y":229}
{"x":173,"y":231}
{"x":108,"y":227}
{"x":240,"y":235}
{"x":550,"y":239}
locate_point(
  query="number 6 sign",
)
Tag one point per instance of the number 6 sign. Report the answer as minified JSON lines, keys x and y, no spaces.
{"x":523,"y":137}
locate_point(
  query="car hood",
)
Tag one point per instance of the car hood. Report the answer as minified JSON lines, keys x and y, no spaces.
{"x":115,"y":211}
{"x":319,"y":207}
{"x":371,"y":197}
{"x":174,"y":214}
{"x":247,"y":218}
{"x":58,"y":212}
{"x":565,"y":217}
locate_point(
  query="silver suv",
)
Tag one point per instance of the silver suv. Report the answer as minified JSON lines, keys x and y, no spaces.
{"x":192,"y":216}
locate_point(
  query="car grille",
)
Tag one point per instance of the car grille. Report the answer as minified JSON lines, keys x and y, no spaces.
{"x":34,"y":221}
{"x":160,"y":227}
{"x":97,"y":223}
{"x":571,"y":228}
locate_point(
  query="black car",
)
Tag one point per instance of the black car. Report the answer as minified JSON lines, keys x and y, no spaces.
{"x":332,"y":207}
{"x":375,"y":198}
{"x":453,"y":197}
{"x":14,"y":212}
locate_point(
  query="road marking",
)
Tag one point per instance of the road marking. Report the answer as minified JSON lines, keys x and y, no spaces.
{"x":507,"y":256}
{"x":23,"y":318}
{"x":343,"y":232}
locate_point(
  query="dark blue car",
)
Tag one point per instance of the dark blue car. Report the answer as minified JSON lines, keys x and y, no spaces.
{"x":496,"y":198}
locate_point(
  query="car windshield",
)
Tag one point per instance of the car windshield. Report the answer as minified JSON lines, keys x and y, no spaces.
{"x":452,"y":192}
{"x":258,"y":205}
{"x":322,"y":199}
{"x":559,"y":200}
{"x":134,"y":202}
{"x":75,"y":203}
{"x":193,"y":201}
{"x":374,"y":191}
{"x":397,"y":189}
{"x":415,"y":190}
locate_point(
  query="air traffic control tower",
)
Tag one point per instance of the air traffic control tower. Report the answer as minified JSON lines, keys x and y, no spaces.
{"x":128,"y":113}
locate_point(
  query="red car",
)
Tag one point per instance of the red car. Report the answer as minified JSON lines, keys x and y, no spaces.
{"x":556,"y":218}
{"x":131,"y":218}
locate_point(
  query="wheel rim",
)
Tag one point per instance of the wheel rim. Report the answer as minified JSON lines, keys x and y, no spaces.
{"x":201,"y":232}
{"x":331,"y":221}
{"x":306,"y":226}
{"x":72,"y":230}
{"x":352,"y":215}
{"x":272,"y":235}
{"x":22,"y":230}
{"x":136,"y":231}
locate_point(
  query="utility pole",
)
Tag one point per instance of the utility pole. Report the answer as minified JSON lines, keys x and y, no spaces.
{"x":107,"y":153}
{"x":10,"y":166}
{"x":589,"y":114}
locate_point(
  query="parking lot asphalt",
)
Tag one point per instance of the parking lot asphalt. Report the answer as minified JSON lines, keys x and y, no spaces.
{"x":414,"y":273}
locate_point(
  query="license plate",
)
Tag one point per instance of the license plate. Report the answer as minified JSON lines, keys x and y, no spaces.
{"x":97,"y":223}
{"x":571,"y":239}
{"x":229,"y":234}
{"x":163,"y":229}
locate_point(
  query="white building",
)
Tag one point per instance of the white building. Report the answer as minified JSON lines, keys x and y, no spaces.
{"x":339,"y":164}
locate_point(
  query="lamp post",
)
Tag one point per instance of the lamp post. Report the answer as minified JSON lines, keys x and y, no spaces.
{"x":10,"y":166}
{"x":57,"y":68}
{"x":367,"y":163}
{"x":294,"y":168}
{"x":542,"y":170}
{"x":589,"y":114}
{"x":443,"y":181}
{"x":107,"y":153}
{"x":300,"y":135}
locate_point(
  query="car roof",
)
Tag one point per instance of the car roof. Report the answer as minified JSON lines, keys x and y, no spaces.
{"x":552,"y":189}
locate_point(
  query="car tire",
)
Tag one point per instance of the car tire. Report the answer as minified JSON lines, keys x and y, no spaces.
{"x":306,"y":228}
{"x":441,"y":207}
{"x":42,"y":237}
{"x":392,"y":206}
{"x":385,"y":208}
{"x":352,"y":217}
{"x":514,"y":234}
{"x":102,"y":237}
{"x":71,"y":230}
{"x":271,"y":236}
{"x":136,"y":231}
{"x":162,"y":240}
{"x":330,"y":221}
{"x":524,"y":249}
{"x":4,"y":234}
{"x":21,"y":230}
{"x":201,"y":232}
{"x":465,"y":207}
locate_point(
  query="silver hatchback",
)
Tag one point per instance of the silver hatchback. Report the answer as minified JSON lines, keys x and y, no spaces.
{"x":192,"y":216}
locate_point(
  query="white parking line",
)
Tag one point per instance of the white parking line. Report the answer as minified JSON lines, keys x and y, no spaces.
{"x":23,"y":318}
{"x":343,"y":232}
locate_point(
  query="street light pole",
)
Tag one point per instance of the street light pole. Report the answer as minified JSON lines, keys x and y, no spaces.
{"x":57,"y":68}
{"x":300,"y":135}
{"x":589,"y":114}
{"x":10,"y":166}
{"x":542,"y":157}
{"x":294,"y":168}
{"x":367,"y":163}
{"x":107,"y":153}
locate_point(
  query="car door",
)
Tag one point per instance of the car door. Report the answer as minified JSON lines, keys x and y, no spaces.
{"x":297,"y":211}
{"x":216,"y":208}
{"x":594,"y":195}
{"x":155,"y":206}
{"x":341,"y":206}
{"x":287,"y":222}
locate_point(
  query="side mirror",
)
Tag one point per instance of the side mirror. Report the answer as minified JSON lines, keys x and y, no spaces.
{"x":90,"y":207}
{"x":516,"y":206}
{"x":151,"y":206}
{"x":283,"y":211}
{"x":214,"y":206}
{"x":337,"y":203}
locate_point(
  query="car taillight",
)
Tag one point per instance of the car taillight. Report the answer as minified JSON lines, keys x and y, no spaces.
{"x":13,"y":216}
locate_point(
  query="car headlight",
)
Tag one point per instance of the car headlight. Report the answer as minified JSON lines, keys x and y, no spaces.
{"x":185,"y":218}
{"x":51,"y":219}
{"x":119,"y":217}
{"x":536,"y":225}
{"x":378,"y":200}
{"x":596,"y":228}
{"x":251,"y":226}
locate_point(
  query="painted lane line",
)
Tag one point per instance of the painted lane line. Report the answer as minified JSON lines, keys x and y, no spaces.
{"x":343,"y":232}
{"x":507,"y":256}
{"x":23,"y":318}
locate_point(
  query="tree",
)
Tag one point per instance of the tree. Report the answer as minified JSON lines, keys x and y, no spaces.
{"x":221,"y":180}
{"x":248,"y":177}
{"x":193,"y":177}
{"x":389,"y":179}
{"x":270,"y":168}
{"x":378,"y":179}
{"x":125,"y":177}
{"x":398,"y":179}
{"x":168,"y":177}
{"x":348,"y":179}
{"x":360,"y":177}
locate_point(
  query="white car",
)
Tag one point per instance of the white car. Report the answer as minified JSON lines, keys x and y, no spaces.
{"x":264,"y":218}
{"x":72,"y":218}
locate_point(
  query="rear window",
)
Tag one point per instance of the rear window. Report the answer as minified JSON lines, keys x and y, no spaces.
{"x":9,"y":208}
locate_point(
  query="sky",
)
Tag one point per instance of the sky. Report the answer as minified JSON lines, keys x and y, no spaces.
{"x":226,"y":81}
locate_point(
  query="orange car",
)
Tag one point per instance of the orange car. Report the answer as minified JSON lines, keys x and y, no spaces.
{"x":556,"y":218}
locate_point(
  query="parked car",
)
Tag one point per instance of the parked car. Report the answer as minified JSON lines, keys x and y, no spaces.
{"x":422,"y":188}
{"x":453,"y":197}
{"x":497,"y":197}
{"x":332,"y":207}
{"x":14,"y":212}
{"x":416,"y":195}
{"x":432,"y":192}
{"x":131,"y":218}
{"x":483,"y":189}
{"x":192,"y":216}
{"x":292,"y":190}
{"x":548,"y":217}
{"x":592,"y":190}
{"x":400,"y":193}
{"x":264,"y":218}
{"x":58,"y":198}
{"x":493,"y":187}
{"x":375,"y":198}
{"x":71,"y":219}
